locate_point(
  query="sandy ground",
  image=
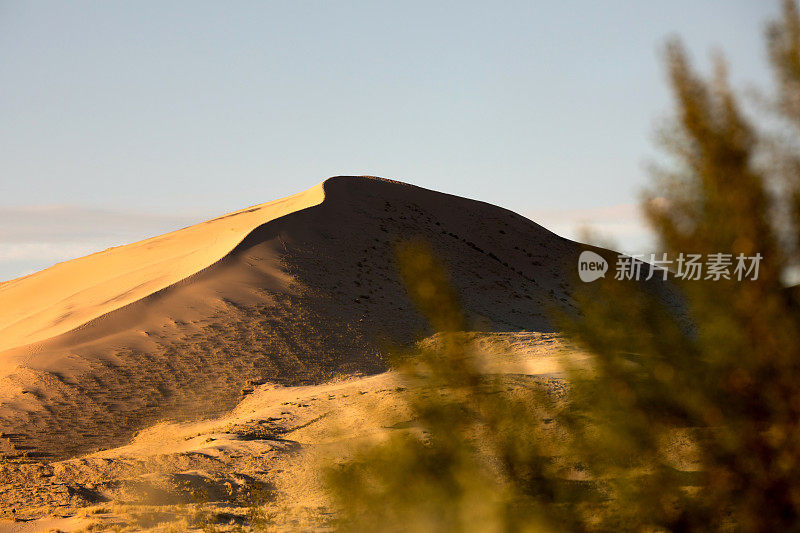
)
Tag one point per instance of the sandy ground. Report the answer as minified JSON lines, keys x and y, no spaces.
{"x":256,"y":466}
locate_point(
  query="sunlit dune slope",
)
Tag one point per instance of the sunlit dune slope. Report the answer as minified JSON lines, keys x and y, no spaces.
{"x":61,"y":298}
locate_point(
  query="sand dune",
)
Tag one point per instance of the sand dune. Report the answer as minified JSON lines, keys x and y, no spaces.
{"x":310,"y":294}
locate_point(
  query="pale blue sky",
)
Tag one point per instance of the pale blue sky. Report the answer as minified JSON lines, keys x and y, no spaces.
{"x":177,"y":111}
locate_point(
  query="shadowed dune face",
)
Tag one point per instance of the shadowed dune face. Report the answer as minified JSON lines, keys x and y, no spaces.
{"x":307,"y":296}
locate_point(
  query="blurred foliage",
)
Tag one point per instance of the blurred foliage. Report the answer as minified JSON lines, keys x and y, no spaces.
{"x":685,"y":421}
{"x":475,"y":460}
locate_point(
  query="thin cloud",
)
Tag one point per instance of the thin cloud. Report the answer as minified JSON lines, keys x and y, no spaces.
{"x":36,"y":237}
{"x":53,"y":223}
{"x":622,"y":225}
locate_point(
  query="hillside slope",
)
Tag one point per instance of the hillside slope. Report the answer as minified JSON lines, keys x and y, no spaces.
{"x":310,"y":294}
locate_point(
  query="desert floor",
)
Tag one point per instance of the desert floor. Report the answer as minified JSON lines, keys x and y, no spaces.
{"x":257,"y":466}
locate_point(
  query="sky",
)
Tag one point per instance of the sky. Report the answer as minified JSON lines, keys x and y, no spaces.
{"x":124,"y":120}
